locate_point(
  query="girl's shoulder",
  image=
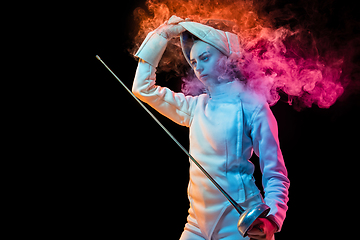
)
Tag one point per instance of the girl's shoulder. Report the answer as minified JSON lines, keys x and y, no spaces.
{"x":252,"y":104}
{"x":252,"y":100}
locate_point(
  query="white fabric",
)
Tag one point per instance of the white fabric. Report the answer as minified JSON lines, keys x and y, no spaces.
{"x":226,"y":229}
{"x":226,"y":42}
{"x":224,"y":131}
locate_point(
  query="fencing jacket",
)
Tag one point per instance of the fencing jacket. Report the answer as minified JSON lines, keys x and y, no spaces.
{"x":225,"y":129}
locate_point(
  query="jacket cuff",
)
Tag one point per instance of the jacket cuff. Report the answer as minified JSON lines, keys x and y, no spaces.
{"x":152,"y":49}
{"x":276,"y":221}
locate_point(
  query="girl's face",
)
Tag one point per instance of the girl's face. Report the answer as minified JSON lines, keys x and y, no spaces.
{"x":203,"y":59}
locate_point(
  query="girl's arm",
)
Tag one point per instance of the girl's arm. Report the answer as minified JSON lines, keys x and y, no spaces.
{"x":275,"y":181}
{"x":175,"y":106}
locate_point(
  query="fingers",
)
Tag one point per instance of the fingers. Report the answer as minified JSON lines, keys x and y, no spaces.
{"x":175,"y":20}
{"x":258,"y":238}
{"x":261,"y":236}
{"x":257,"y":231}
{"x":257,"y":224}
{"x":178,"y":29}
{"x":171,"y":28}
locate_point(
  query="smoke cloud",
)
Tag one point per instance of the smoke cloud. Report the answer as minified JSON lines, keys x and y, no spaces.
{"x":307,"y":50}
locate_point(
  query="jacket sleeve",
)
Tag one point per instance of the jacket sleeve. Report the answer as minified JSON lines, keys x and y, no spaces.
{"x":175,"y":106}
{"x":275,"y":181}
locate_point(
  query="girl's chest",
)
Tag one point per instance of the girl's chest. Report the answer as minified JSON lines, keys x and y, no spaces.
{"x":218,"y":125}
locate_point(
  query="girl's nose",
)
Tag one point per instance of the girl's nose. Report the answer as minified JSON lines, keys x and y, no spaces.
{"x":199,"y":69}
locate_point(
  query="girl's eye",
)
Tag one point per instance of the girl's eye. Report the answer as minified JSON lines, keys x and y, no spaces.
{"x":205,"y":58}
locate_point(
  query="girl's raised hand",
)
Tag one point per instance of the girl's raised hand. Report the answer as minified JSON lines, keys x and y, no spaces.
{"x":171,"y":28}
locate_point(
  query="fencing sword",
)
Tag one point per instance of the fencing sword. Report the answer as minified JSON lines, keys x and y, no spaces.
{"x":248,"y":216}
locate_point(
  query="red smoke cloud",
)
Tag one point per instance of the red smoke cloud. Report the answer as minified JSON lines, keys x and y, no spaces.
{"x":287,"y":49}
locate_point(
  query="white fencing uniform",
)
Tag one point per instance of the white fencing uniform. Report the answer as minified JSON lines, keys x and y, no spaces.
{"x":225,"y":129}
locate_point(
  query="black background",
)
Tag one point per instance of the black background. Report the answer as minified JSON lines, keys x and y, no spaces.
{"x":126,"y":177}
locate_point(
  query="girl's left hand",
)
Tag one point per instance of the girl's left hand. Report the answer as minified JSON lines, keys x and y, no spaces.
{"x":262,"y":229}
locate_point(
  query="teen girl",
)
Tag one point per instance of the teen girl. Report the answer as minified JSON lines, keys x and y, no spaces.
{"x":226,"y":124}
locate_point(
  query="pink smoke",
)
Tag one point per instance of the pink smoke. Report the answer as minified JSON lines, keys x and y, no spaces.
{"x":281,"y":54}
{"x":274,"y":64}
